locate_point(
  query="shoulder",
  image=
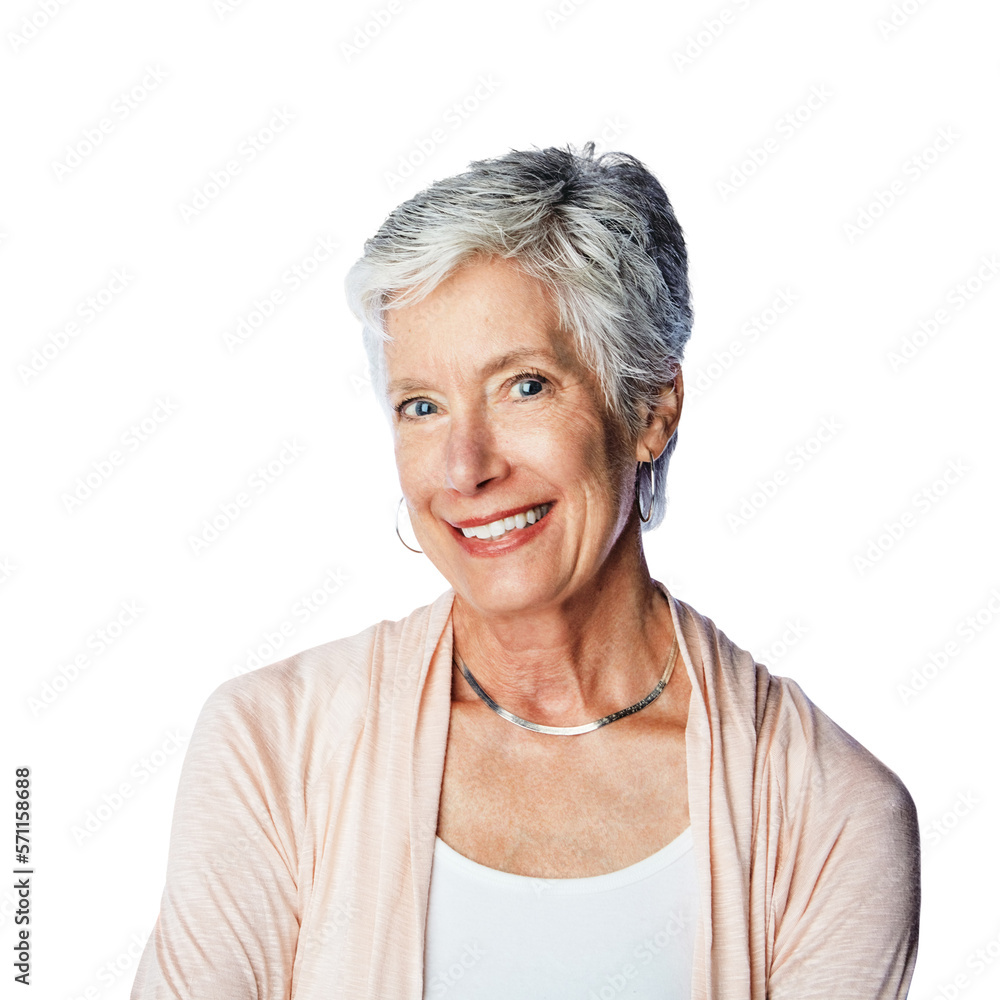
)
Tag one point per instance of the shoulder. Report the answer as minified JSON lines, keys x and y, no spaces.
{"x":805,"y":759}
{"x":821,"y":764}
{"x":846,"y":841}
{"x":305,"y":707}
{"x":823,"y":824}
{"x":814,"y":750}
{"x":301,"y":686}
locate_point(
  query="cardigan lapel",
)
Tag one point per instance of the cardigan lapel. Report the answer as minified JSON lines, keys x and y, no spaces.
{"x":721,"y":746}
{"x":720,"y":761}
{"x":429,"y":738}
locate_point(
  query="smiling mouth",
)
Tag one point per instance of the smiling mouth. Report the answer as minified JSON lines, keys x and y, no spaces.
{"x":507,"y":525}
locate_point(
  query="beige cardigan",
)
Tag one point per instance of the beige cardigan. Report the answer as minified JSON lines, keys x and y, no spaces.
{"x":303,"y":834}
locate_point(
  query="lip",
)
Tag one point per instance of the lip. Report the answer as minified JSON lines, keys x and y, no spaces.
{"x":498,"y":516}
{"x":506,"y":543}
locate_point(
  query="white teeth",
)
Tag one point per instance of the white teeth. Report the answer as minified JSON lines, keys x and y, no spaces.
{"x":496,"y":529}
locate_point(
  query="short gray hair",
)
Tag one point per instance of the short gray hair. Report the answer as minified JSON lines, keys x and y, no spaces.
{"x":600,"y":232}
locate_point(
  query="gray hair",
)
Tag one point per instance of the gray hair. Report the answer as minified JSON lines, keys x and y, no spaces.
{"x":600,"y":232}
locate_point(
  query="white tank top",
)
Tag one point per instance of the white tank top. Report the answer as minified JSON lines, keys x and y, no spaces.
{"x":629,"y":934}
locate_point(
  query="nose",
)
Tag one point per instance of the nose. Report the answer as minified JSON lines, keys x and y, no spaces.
{"x":473,"y":458}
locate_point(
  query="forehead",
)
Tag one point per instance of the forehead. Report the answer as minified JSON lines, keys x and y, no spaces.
{"x":489,"y":312}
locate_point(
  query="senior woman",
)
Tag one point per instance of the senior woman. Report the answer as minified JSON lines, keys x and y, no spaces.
{"x":557,"y":780}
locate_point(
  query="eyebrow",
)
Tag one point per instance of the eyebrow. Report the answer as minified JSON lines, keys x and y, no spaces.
{"x":509,"y":359}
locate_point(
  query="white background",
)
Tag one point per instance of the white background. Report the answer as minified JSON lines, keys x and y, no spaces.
{"x":521,"y":74}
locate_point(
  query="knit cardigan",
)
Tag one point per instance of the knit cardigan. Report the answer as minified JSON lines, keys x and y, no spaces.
{"x":304,"y":828}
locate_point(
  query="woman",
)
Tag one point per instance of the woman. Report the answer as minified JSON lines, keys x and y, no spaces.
{"x":512,"y":791}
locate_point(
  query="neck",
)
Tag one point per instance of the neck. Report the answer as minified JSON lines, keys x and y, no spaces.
{"x":597,"y":650}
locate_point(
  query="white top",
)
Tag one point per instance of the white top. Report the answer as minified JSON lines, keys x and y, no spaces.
{"x":492,"y":935}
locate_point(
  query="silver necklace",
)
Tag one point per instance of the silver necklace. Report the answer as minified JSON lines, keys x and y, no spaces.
{"x":587,"y":727}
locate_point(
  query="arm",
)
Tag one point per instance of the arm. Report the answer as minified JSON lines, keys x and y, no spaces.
{"x":846,"y":899}
{"x":228,"y":924}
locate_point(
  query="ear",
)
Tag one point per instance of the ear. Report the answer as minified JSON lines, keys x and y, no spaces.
{"x":662,"y":420}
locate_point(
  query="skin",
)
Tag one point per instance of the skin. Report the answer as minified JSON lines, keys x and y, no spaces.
{"x":564,"y":629}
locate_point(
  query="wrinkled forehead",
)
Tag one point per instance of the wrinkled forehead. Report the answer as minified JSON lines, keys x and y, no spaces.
{"x":488,"y":308}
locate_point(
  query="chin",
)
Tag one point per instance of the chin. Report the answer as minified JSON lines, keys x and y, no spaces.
{"x":498,"y":594}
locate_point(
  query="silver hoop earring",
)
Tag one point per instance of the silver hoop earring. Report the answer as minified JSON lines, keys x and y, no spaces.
{"x":403,"y":540}
{"x":652,"y":489}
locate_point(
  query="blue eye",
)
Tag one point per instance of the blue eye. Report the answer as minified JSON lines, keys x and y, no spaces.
{"x":521,"y":378}
{"x":418,"y":402}
{"x":524,"y":377}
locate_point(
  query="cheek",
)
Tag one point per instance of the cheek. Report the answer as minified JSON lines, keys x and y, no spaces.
{"x":619,"y":462}
{"x":419,"y":465}
{"x":409,"y":467}
{"x":601,"y":461}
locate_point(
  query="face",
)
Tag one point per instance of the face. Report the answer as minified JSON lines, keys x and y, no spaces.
{"x":497,"y":415}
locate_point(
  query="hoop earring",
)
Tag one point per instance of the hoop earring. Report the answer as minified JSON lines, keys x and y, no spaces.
{"x":403,"y":540}
{"x":652,"y":489}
